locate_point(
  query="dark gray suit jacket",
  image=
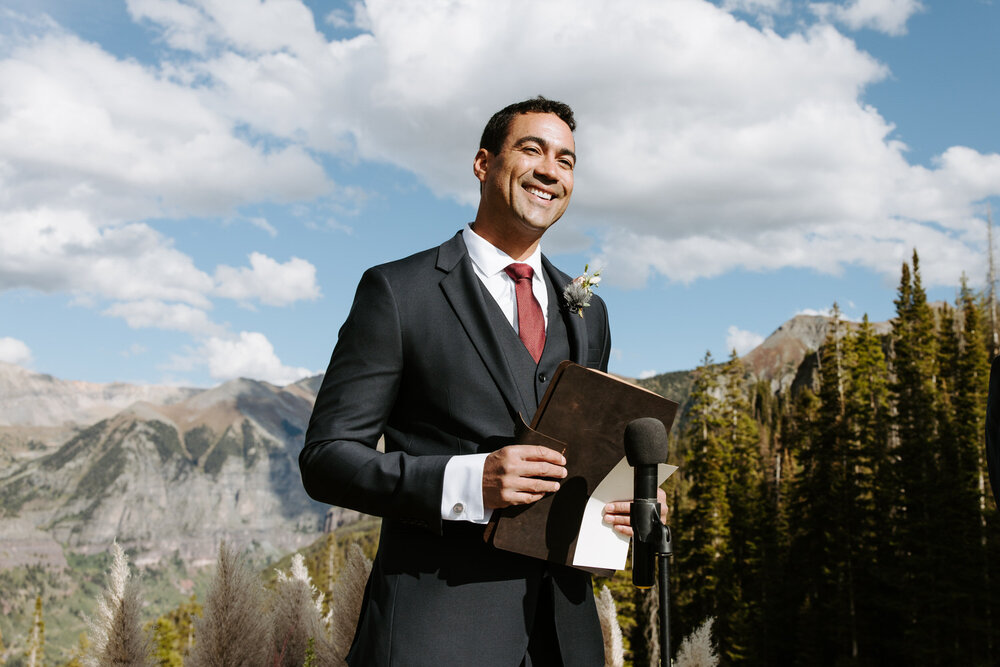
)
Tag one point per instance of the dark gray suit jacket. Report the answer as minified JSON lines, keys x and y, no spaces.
{"x":993,"y":429}
{"x":418,"y":360}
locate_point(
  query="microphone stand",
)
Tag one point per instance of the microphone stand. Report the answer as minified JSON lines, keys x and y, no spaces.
{"x":650,"y":531}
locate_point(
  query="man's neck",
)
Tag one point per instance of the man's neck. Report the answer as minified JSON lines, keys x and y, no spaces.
{"x":517,"y":247}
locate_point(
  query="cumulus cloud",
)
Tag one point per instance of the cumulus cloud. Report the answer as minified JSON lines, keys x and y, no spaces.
{"x":722,"y":140}
{"x":14,"y":351}
{"x":267,"y":280}
{"x":149,"y":313}
{"x":742,"y":340}
{"x":645,"y":375}
{"x":250,"y":354}
{"x":706,"y":144}
{"x":888,"y":16}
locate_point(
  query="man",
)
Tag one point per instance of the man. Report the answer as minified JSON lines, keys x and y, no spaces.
{"x":993,"y":430}
{"x":441,"y":352}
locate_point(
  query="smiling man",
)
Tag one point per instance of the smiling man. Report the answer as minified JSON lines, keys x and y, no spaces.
{"x":441,"y":353}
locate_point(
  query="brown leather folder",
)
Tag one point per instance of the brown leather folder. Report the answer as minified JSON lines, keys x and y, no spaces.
{"x":583,"y":415}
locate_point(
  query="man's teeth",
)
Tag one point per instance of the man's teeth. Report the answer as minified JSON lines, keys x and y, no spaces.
{"x":539,"y":193}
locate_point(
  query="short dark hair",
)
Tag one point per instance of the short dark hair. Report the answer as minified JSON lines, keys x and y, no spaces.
{"x":496,"y":129}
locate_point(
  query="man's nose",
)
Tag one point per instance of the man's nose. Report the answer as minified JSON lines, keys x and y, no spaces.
{"x":547,"y":168}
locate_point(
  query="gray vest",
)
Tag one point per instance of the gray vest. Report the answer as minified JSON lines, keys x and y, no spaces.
{"x":532,"y":379}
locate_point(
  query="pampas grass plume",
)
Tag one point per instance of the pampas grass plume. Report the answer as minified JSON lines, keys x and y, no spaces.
{"x":696,"y":649}
{"x":346,"y":597}
{"x":233,"y":630}
{"x":296,"y":619}
{"x":116,"y":635}
{"x":614,"y":650}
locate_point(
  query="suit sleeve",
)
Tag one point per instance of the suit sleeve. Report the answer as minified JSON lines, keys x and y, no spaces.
{"x":339,"y":463}
{"x":993,"y":429}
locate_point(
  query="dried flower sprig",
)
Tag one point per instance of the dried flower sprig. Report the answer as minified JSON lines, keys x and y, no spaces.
{"x":577,"y":294}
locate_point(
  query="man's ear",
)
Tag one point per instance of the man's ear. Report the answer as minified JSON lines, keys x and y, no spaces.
{"x":481,"y":164}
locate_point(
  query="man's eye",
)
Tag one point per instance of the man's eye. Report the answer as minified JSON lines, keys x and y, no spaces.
{"x":567,"y":164}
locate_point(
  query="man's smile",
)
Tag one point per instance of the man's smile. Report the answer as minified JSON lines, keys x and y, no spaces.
{"x":538,"y":192}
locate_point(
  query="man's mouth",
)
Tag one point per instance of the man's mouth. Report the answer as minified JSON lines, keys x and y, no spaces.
{"x":541,"y":194}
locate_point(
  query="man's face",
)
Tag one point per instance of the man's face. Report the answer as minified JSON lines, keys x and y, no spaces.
{"x":527,"y":185}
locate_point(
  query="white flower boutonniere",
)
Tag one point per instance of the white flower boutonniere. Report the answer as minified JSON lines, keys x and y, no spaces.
{"x":578,"y":292}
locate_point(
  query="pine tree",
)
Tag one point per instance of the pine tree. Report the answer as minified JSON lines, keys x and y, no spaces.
{"x":165,"y":644}
{"x":914,"y":393}
{"x":739,"y":616}
{"x":35,"y":652}
{"x":869,"y":469}
{"x":963,"y":494}
{"x":823,"y":531}
{"x":703,"y":536}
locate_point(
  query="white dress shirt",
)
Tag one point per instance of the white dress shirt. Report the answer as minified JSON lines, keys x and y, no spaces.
{"x":462,"y":498}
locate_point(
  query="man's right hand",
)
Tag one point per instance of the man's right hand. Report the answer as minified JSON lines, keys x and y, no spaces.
{"x":521,"y":474}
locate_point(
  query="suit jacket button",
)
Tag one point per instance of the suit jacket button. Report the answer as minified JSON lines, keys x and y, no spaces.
{"x":542,"y":377}
{"x":458,"y":508}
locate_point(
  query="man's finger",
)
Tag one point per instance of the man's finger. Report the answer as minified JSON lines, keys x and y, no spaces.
{"x":538,"y":453}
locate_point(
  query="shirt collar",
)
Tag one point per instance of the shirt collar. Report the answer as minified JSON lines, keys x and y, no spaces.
{"x":491,"y":260}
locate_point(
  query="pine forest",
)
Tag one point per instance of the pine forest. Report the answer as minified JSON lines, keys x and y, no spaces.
{"x":849,"y":522}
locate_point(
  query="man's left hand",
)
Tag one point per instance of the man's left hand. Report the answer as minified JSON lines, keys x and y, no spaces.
{"x":617,"y":513}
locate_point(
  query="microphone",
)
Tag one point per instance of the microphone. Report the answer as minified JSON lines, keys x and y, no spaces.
{"x":645,"y":447}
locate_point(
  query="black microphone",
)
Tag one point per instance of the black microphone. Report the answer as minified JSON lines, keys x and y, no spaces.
{"x":645,"y":447}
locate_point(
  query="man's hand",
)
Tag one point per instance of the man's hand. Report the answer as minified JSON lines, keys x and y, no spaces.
{"x":617,"y":513}
{"x":517,"y":475}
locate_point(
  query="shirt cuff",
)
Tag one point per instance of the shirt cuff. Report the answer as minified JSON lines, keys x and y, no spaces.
{"x":462,"y":497}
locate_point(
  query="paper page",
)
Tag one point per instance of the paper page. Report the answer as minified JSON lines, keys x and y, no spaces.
{"x":599,"y":545}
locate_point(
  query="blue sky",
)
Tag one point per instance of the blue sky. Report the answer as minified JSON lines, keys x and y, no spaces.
{"x":190,"y":189}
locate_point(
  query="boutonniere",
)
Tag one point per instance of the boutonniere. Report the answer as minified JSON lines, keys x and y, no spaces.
{"x":577,"y":294}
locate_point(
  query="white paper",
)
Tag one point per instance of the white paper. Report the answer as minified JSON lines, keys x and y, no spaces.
{"x":598,"y":544}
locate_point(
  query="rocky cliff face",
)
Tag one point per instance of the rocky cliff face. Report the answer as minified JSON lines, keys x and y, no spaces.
{"x":781,"y":354}
{"x":175,"y":476}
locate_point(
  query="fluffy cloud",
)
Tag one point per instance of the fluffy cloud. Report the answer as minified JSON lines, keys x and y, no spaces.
{"x":719,"y":144}
{"x":14,"y":351}
{"x":250,"y":355}
{"x":741,"y":340}
{"x":272,"y":283}
{"x":83,"y":130}
{"x":888,"y":16}
{"x":150,"y":313}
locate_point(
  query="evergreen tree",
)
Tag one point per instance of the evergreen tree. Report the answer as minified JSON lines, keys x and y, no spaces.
{"x":739,"y":615}
{"x":703,"y":551}
{"x":166,"y":652}
{"x":35,"y":651}
{"x":870,"y":513}
{"x":914,"y":393}
{"x":823,"y":526}
{"x":964,"y":497}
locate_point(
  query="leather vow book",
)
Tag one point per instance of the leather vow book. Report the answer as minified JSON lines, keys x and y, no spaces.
{"x":583,"y":415}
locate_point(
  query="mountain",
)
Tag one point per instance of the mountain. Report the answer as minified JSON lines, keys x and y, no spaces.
{"x":35,"y":399}
{"x":781,"y":359}
{"x":175,"y":475}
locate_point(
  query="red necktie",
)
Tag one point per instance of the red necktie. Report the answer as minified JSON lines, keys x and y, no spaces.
{"x":530,"y":321}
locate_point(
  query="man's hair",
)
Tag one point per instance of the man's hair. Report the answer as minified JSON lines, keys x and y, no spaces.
{"x":496,"y":129}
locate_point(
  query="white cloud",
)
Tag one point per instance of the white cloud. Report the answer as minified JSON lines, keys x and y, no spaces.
{"x":249,"y":355}
{"x":828,"y":312}
{"x":742,"y":340}
{"x":268,"y":281}
{"x":14,"y":351}
{"x":52,"y":249}
{"x":264,"y":225}
{"x":722,"y":135}
{"x":81,"y":129}
{"x":149,"y":313}
{"x":888,"y":16}
{"x":644,"y":375}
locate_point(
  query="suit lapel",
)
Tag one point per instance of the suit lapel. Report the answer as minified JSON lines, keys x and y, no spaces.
{"x":462,"y":289}
{"x":575,"y":326}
